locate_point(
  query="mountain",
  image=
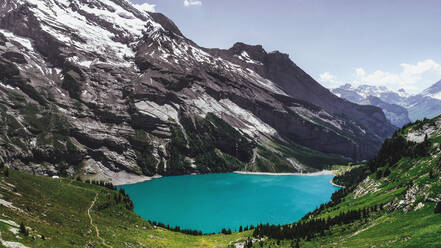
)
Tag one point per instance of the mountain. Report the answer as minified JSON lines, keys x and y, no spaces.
{"x":433,"y":91}
{"x":389,"y":101}
{"x":401,"y":106}
{"x":427,"y":104}
{"x":106,"y":90}
{"x":392,"y":201}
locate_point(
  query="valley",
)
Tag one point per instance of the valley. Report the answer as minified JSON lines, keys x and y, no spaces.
{"x":395,"y":197}
{"x":118,"y":130}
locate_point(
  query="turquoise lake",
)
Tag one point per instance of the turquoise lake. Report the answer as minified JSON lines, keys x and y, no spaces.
{"x":211,"y":202}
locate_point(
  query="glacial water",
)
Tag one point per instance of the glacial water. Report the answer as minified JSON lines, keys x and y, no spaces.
{"x":211,"y":202}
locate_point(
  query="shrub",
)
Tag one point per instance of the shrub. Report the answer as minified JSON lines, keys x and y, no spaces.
{"x":438,"y":208}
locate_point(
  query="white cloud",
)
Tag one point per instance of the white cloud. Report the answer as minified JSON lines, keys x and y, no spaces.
{"x":329,"y":79}
{"x":360,"y":72}
{"x":188,"y":3}
{"x":412,"y":78}
{"x":146,"y":7}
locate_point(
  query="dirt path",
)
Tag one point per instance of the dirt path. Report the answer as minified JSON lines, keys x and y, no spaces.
{"x":97,"y":231}
{"x":362,"y":230}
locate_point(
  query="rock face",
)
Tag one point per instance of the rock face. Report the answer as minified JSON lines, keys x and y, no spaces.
{"x":103,"y":81}
{"x":399,"y":107}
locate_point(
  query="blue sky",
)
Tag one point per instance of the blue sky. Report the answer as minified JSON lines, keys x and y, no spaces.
{"x":396,"y":43}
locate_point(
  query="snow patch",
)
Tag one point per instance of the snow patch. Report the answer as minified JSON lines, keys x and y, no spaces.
{"x":247,"y":59}
{"x":145,"y":7}
{"x":436,"y":96}
{"x":59,"y":20}
{"x":7,"y":86}
{"x":26,"y":43}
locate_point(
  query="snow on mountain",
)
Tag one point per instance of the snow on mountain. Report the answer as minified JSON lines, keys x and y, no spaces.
{"x":419,"y":106}
{"x":129,"y":92}
{"x":433,"y":91}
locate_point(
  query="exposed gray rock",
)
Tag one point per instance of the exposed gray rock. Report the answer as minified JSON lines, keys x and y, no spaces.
{"x":123,"y":91}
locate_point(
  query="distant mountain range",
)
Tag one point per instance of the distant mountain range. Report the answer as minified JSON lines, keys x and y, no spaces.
{"x":399,"y":106}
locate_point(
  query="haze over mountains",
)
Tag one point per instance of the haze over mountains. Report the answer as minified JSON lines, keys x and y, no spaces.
{"x":399,"y":106}
{"x":104,"y":88}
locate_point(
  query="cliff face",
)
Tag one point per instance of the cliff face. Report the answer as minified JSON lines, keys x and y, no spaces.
{"x":100,"y":87}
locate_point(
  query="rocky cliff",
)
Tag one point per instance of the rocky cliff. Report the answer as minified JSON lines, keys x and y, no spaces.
{"x":103,"y":88}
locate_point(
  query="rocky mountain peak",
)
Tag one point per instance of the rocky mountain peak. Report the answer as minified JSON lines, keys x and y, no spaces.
{"x":101,"y":87}
{"x":256,"y":52}
{"x":165,"y":22}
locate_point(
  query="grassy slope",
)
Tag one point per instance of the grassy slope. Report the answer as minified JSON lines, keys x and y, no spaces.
{"x":387,"y":228}
{"x":57,"y":209}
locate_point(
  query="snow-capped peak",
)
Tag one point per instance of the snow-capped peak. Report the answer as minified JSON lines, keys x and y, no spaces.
{"x":403,"y":93}
{"x":433,"y":91}
{"x":104,"y":27}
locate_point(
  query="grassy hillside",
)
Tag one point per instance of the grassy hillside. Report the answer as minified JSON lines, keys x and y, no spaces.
{"x":55,"y":213}
{"x":393,"y":204}
{"x":389,"y":202}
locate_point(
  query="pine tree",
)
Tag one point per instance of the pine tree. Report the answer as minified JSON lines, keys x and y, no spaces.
{"x":240,"y":229}
{"x":249,"y":243}
{"x":23,"y":230}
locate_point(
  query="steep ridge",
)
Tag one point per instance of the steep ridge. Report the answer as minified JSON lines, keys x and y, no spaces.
{"x":281,"y":70}
{"x":102,"y":88}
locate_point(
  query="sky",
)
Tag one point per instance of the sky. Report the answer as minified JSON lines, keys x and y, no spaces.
{"x":393,"y":43}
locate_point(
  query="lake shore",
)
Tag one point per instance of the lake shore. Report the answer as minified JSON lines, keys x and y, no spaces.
{"x":336,"y":185}
{"x":127,"y":179}
{"x":311,"y":174}
{"x":124,"y":178}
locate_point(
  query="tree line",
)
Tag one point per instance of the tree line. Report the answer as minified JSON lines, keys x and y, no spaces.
{"x":108,"y":185}
{"x":307,"y":229}
{"x":225,"y":231}
{"x":176,"y":229}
